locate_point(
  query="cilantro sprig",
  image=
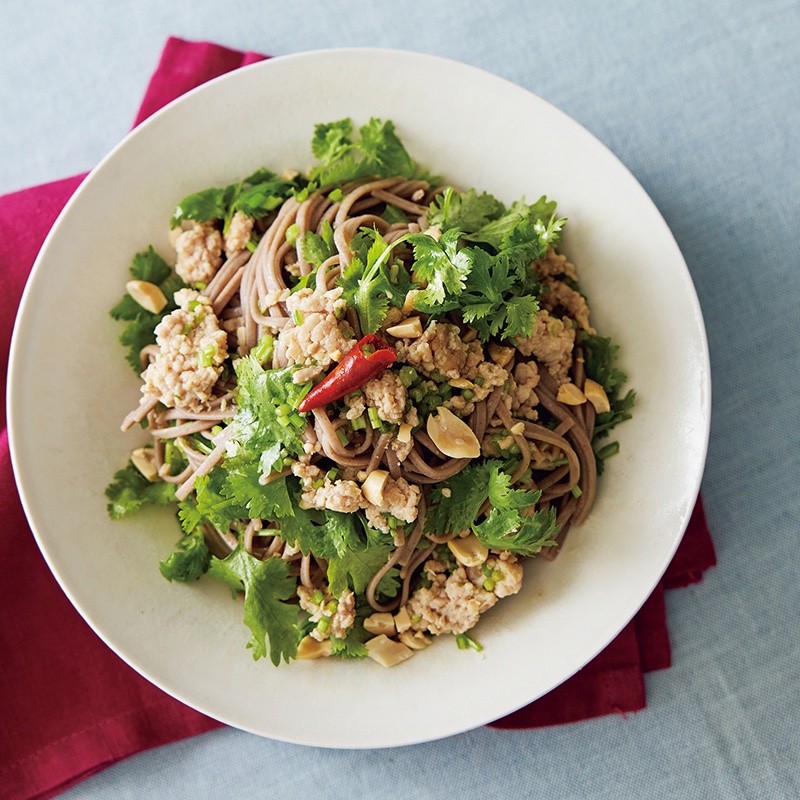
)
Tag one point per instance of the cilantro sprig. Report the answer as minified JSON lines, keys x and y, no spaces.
{"x":377,"y":152}
{"x":131,"y":491}
{"x":505,"y":527}
{"x":266,"y":586}
{"x":256,"y":196}
{"x":600,"y":355}
{"x":368,"y":284}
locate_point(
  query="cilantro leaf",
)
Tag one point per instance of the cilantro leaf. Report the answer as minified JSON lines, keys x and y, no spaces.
{"x":366,"y":284}
{"x":130,"y":491}
{"x":331,"y":140}
{"x":384,"y":151}
{"x":259,"y":199}
{"x":353,"y":644}
{"x":262,"y":501}
{"x":256,"y":196}
{"x":213,"y":503}
{"x":258,"y":425}
{"x":507,"y":529}
{"x":600,"y":355}
{"x":189,"y":561}
{"x":202,"y":206}
{"x":265,"y":585}
{"x":441,"y":264}
{"x":317,"y":248}
{"x":502,"y":495}
{"x":468,"y":211}
{"x":455,"y":512}
{"x":356,"y":568}
{"x":507,"y":526}
{"x":493,"y":232}
{"x":519,"y":316}
{"x":378,"y":152}
{"x":496,"y":293}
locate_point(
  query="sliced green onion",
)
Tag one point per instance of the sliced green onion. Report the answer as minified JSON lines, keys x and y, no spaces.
{"x":358,"y":424}
{"x":292,"y":232}
{"x":374,"y":419}
{"x":324,"y":624}
{"x":332,"y":474}
{"x":340,"y":432}
{"x":467,"y":394}
{"x":205,"y":358}
{"x":333,"y":606}
{"x":609,"y":450}
{"x":317,"y":597}
{"x":298,"y":421}
{"x":576,"y":491}
{"x":464,"y":643}
{"x":407,"y":375}
{"x":488,"y":585}
{"x":336,"y":195}
{"x":297,"y":318}
{"x":264,"y":349}
{"x":478,"y":381}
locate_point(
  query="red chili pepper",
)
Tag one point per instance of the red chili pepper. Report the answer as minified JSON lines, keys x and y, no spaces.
{"x":352,"y":372}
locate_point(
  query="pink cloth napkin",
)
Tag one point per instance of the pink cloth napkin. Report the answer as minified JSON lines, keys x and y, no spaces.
{"x":68,"y":705}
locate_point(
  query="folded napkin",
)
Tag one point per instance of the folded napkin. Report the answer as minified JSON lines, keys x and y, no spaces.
{"x":68,"y":705}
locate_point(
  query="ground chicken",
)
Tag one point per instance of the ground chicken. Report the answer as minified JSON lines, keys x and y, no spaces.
{"x":191,"y":351}
{"x":387,"y":396}
{"x":239,"y":232}
{"x":199,"y":253}
{"x":355,"y":404}
{"x":504,"y":573}
{"x":492,"y":375}
{"x":402,"y":449}
{"x":554,"y":264}
{"x":319,"y":491}
{"x":558,"y":294}
{"x":319,"y":339}
{"x":400,"y":500}
{"x":452,"y":604}
{"x":341,"y":620}
{"x":439,"y":349}
{"x":459,"y":406}
{"x":551,"y":342}
{"x":523,"y":396}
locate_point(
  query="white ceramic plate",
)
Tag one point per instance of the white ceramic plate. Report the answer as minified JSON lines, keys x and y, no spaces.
{"x":69,"y":389}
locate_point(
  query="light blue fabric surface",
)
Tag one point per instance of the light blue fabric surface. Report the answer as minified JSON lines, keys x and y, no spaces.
{"x":701,"y":100}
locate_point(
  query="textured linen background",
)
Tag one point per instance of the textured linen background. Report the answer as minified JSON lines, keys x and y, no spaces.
{"x":701,"y":102}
